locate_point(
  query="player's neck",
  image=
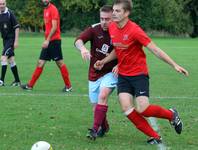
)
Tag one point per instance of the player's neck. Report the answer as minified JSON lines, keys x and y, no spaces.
{"x":122,"y":23}
{"x":3,"y":11}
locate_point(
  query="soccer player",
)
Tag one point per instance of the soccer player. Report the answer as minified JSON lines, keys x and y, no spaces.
{"x":9,"y":28}
{"x":128,"y":40}
{"x":101,"y":83}
{"x":51,"y":48}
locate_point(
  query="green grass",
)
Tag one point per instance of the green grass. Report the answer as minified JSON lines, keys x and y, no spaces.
{"x":62,"y":119}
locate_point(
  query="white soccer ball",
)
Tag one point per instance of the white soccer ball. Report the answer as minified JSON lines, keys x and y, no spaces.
{"x":1,"y":83}
{"x":41,"y":145}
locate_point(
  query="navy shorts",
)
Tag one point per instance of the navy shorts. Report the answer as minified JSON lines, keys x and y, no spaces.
{"x":8,"y":48}
{"x":52,"y":52}
{"x":134,"y":85}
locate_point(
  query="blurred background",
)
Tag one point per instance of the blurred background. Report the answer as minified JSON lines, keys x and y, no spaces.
{"x":158,"y":17}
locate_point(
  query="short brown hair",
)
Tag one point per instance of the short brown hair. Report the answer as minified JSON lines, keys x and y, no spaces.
{"x":106,"y":8}
{"x":127,"y":4}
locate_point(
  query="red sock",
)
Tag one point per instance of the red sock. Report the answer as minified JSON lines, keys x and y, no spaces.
{"x":65,"y":75}
{"x":158,"y":112}
{"x":35,"y":76}
{"x":141,"y":123}
{"x":99,"y":115}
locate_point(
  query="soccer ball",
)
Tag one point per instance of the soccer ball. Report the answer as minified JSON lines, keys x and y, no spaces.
{"x":1,"y":83}
{"x":41,"y":145}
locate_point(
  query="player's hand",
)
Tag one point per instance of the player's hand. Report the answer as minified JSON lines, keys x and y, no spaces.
{"x":115,"y":70}
{"x":85,"y":55}
{"x":181,"y":70}
{"x":16,"y":44}
{"x":99,"y":65}
{"x":45,"y":44}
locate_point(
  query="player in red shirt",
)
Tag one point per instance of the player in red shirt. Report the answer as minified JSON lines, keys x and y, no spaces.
{"x":101,"y":82}
{"x":51,"y":48}
{"x":133,"y":81}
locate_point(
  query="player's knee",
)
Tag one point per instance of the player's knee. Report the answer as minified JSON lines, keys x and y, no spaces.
{"x":12,"y":63}
{"x":59,"y":63}
{"x":3,"y":58}
{"x":41,"y":63}
{"x":4,"y":63}
{"x":103,"y":96}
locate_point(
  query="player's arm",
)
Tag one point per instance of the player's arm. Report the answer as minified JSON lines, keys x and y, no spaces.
{"x":16,"y":27}
{"x":52,"y":31}
{"x":100,"y":63}
{"x":79,"y":44}
{"x":16,"y":37}
{"x":163,"y":56}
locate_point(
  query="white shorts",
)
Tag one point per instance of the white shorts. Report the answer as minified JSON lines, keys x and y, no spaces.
{"x":109,"y":80}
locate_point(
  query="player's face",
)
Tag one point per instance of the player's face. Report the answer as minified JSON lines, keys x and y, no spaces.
{"x":105,"y":19}
{"x":2,"y":5}
{"x":45,"y":3}
{"x":119,"y":14}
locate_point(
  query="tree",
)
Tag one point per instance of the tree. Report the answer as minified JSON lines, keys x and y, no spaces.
{"x":191,"y":6}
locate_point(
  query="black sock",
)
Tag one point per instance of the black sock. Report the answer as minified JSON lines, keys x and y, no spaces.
{"x":3,"y":72}
{"x":15,"y":73}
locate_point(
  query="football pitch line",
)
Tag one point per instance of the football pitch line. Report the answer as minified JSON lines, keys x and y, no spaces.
{"x":29,"y":93}
{"x":155,"y":126}
{"x":152,"y":120}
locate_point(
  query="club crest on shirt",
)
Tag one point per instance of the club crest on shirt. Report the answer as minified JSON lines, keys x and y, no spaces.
{"x":46,"y":14}
{"x":125,"y":37}
{"x":5,"y":26}
{"x":104,"y":49}
{"x":100,"y":36}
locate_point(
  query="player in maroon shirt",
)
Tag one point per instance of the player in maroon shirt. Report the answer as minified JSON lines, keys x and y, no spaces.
{"x":51,"y":48}
{"x":128,"y":40}
{"x":101,"y":82}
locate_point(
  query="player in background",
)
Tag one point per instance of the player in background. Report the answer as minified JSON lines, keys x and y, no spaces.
{"x":9,"y":28}
{"x":103,"y":82}
{"x":51,"y":48}
{"x":128,"y":40}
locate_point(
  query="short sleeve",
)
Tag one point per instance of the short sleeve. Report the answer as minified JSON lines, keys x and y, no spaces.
{"x":86,"y":35}
{"x":142,"y":37}
{"x":13,"y":20}
{"x":54,"y":14}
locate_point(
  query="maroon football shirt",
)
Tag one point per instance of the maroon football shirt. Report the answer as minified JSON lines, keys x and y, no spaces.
{"x":100,"y":47}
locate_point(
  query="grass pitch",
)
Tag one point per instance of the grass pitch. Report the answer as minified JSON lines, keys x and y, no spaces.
{"x":62,"y":119}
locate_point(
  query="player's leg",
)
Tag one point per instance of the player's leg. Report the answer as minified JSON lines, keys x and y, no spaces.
{"x":137,"y":119}
{"x":35,"y":76}
{"x":7,"y":51}
{"x":55,"y":52}
{"x":4,"y":65}
{"x":14,"y":69}
{"x":44,"y":56}
{"x":150,"y":110}
{"x":94,"y":87}
{"x":108,"y":84}
{"x":65,"y":75}
{"x":125,"y":92}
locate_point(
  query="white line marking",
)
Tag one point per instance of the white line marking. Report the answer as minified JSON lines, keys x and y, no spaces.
{"x":29,"y":93}
{"x":153,"y":123}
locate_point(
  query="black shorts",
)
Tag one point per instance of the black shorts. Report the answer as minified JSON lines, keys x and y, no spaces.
{"x":53,"y":52}
{"x":134,"y":85}
{"x":8,"y":48}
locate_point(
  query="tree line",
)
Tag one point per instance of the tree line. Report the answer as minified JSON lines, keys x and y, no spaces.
{"x":172,"y":16}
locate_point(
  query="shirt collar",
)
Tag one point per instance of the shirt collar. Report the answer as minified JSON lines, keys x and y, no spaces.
{"x":5,"y":11}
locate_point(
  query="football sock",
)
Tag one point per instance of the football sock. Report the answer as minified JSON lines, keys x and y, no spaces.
{"x":15,"y":73}
{"x":99,"y":115}
{"x":158,"y":112}
{"x":65,"y":75}
{"x":142,"y":124}
{"x":105,"y":124}
{"x":35,"y":76}
{"x":3,"y":72}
